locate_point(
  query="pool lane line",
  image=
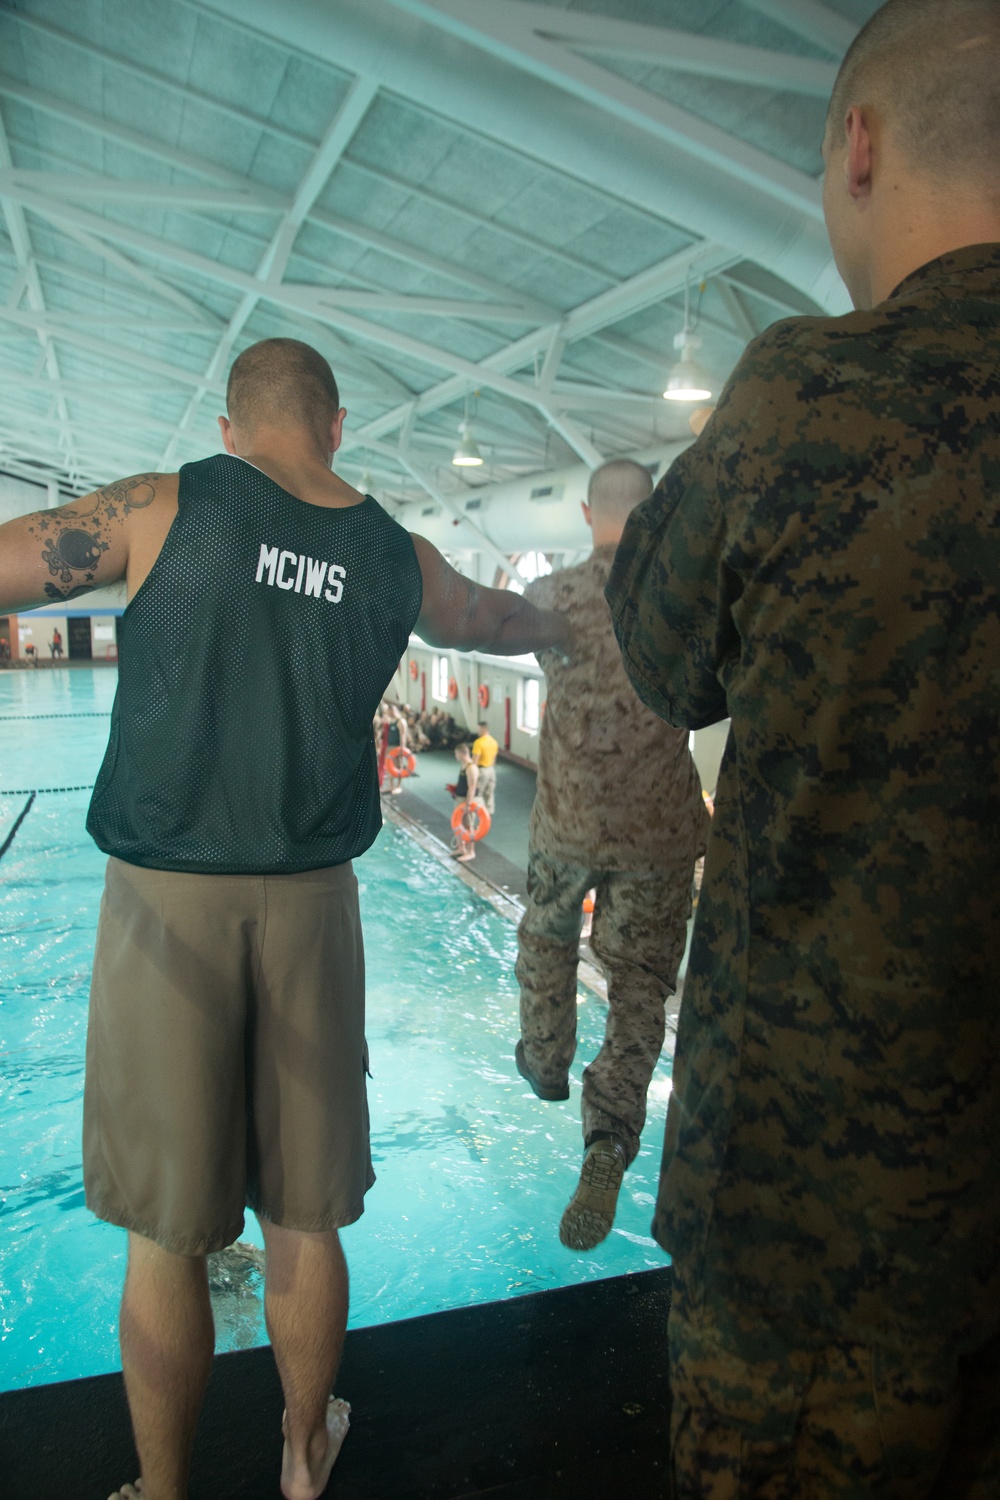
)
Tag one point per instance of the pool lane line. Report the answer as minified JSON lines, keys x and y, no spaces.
{"x":104,"y":713}
{"x":42,"y":791}
{"x":25,"y":810}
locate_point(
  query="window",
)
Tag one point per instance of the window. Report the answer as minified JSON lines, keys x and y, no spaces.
{"x":439,"y":679}
{"x":530,"y":696}
{"x":532,"y":565}
{"x":525,"y":568}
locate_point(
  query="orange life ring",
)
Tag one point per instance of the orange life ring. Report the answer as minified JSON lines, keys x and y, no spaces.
{"x":452,"y":688}
{"x":484,"y":695}
{"x":414,"y":670}
{"x":481,"y":825}
{"x":401,"y":762}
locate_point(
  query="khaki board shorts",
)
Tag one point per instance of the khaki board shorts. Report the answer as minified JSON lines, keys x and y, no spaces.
{"x":226,"y":1056}
{"x":763,"y":1411}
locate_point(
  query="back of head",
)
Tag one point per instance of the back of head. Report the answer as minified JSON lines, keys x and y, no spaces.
{"x":931,"y":68}
{"x":282,"y":383}
{"x":615,"y":489}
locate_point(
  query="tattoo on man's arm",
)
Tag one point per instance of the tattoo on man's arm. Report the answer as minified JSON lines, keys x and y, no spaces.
{"x":75,"y":537}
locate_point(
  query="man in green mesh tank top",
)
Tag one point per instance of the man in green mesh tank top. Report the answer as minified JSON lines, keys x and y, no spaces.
{"x":269,"y":604}
{"x":823,"y":566}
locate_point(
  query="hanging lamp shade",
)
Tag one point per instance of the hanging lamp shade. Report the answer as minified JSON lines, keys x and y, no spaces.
{"x":688,"y":381}
{"x":467,"y":454}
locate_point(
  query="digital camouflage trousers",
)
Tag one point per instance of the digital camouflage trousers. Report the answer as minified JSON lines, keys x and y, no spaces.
{"x":762,"y":1412}
{"x":638,"y":936}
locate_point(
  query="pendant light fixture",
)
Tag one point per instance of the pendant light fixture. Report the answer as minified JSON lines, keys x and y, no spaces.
{"x":687,"y":380}
{"x":467,"y":454}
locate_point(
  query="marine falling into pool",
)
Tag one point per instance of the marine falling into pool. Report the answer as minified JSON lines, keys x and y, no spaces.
{"x":269,"y":606}
{"x":823,"y":566}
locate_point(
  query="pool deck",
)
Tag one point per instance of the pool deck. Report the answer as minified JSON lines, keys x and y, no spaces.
{"x":502,"y":856}
{"x":558,"y":1396}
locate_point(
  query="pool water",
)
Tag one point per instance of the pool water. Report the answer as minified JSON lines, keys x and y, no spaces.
{"x":473,"y":1171}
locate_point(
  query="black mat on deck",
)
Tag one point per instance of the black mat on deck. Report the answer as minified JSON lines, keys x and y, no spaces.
{"x":489,"y":863}
{"x":558,"y":1396}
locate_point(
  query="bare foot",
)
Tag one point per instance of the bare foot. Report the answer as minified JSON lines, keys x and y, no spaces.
{"x":308,"y":1480}
{"x":128,"y":1492}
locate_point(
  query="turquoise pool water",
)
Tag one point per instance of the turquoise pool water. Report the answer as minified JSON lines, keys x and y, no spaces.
{"x":473,"y":1171}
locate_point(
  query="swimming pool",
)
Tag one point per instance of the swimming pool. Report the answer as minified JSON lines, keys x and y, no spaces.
{"x":473,"y":1171}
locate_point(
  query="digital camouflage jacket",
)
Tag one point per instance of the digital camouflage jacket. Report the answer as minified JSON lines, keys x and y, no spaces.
{"x":823,"y":566}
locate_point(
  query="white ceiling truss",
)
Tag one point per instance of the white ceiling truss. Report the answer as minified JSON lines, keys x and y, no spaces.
{"x":140,"y":250}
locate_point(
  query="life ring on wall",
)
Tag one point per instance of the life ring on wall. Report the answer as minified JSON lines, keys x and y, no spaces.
{"x":470,"y":821}
{"x":484,"y":695}
{"x":452,"y":688}
{"x":414,"y":671}
{"x":401,"y":762}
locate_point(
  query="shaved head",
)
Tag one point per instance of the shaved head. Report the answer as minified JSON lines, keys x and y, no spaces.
{"x":931,"y":68}
{"x":617,"y":487}
{"x":282,"y":383}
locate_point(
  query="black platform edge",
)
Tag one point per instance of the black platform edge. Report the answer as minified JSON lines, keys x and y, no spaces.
{"x":489,"y":863}
{"x":561,"y":1395}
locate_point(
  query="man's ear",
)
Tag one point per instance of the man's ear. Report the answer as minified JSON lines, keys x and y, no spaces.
{"x":858,"y":164}
{"x":337,"y":429}
{"x":587,"y":514}
{"x":226,"y":428}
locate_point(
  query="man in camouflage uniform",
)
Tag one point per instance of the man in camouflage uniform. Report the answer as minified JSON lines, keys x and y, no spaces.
{"x":618,"y":808}
{"x":823,"y":566}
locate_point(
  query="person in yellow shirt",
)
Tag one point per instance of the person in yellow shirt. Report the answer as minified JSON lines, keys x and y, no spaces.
{"x":484,"y":752}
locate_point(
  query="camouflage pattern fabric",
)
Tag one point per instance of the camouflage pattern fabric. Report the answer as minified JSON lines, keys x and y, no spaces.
{"x":638,"y":936}
{"x":617,"y":788}
{"x":823,"y":566}
{"x":761,"y":1412}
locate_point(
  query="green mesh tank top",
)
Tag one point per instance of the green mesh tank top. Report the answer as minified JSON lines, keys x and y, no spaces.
{"x":251,"y":663}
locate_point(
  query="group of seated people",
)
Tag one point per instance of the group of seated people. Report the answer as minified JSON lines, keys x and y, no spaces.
{"x":418,"y":730}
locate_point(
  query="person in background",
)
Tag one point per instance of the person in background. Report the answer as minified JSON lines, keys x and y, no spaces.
{"x":398,"y":739}
{"x":823,"y":567}
{"x":484,"y":752}
{"x":465,"y":791}
{"x":618,"y":809}
{"x":56,"y":645}
{"x":226,"y":1054}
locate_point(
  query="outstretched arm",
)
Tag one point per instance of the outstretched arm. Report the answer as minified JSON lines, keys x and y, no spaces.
{"x":52,"y":556}
{"x":468,"y":617}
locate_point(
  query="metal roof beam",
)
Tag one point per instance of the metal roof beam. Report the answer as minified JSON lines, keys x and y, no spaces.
{"x":266,"y":199}
{"x":121,"y":190}
{"x":737,"y":309}
{"x":652,"y":285}
{"x":118,"y":353}
{"x":813,"y":22}
{"x":318,"y":303}
{"x":90,"y":433}
{"x":313,"y":298}
{"x":20,"y":240}
{"x":71,"y":114}
{"x":274,"y":261}
{"x":557,"y":128}
{"x":505,"y":33}
{"x":453,"y":507}
{"x":681,"y":51}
